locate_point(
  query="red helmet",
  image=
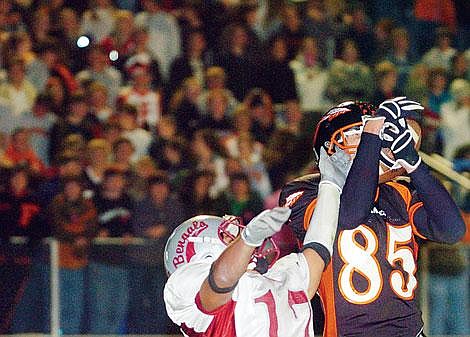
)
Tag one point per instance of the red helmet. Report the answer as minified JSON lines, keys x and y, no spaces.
{"x":330,"y":131}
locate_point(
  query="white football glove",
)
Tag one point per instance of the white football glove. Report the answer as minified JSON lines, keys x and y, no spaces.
{"x":334,"y":169}
{"x":264,"y":225}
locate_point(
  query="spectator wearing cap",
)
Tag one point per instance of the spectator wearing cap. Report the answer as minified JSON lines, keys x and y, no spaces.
{"x":18,"y":92}
{"x":109,"y":288}
{"x":77,"y":120}
{"x":140,"y":94}
{"x":74,"y":223}
{"x":99,"y":69}
{"x":153,"y":218}
{"x":164,"y":33}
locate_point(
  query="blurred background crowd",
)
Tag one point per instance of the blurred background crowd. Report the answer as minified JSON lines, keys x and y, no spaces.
{"x":123,"y":118}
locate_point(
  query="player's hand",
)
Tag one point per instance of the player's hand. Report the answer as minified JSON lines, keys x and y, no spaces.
{"x":264,"y":225}
{"x":396,"y":108}
{"x":334,"y":169}
{"x":402,"y":145}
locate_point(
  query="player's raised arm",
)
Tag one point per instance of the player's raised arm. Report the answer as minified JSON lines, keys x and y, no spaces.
{"x":225,"y":272}
{"x":321,"y":233}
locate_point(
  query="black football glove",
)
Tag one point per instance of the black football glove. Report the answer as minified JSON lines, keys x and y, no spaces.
{"x":396,"y":108}
{"x":402,"y":145}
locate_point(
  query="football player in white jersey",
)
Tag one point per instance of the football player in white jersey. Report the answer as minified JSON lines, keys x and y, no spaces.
{"x":213,"y":290}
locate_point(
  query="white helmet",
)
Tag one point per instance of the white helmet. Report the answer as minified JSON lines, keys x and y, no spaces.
{"x":198,"y":238}
{"x":206,"y":236}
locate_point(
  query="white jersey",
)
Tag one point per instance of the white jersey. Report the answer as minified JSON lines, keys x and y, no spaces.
{"x":148,"y":106}
{"x":271,"y":305}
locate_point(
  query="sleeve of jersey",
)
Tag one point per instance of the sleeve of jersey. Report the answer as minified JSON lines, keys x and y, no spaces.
{"x":438,"y":218}
{"x":360,"y":188}
{"x":183,"y":304}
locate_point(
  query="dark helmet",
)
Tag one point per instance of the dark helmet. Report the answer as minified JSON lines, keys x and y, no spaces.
{"x":331,"y":127}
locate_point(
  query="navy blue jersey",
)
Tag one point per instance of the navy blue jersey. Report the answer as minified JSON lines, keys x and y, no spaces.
{"x":369,"y":287}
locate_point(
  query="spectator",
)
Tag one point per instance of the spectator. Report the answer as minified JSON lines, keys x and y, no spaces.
{"x":184,"y":107}
{"x":123,"y":151}
{"x":243,"y":200}
{"x":349,"y":78}
{"x":320,"y":26}
{"x":69,"y":33}
{"x":454,"y":118}
{"x":242,"y":124}
{"x":140,"y":138}
{"x":277,"y":78}
{"x":262,"y":114}
{"x":386,"y":82}
{"x":441,"y":54}
{"x":437,"y":90}
{"x":400,"y":55}
{"x":109,"y":280}
{"x":216,"y":79}
{"x":164,"y":33}
{"x":144,"y":169}
{"x":216,"y":117}
{"x":251,"y":160}
{"x":193,"y":62}
{"x":292,"y":29}
{"x":460,"y":67}
{"x":154,"y":218}
{"x":20,"y":152}
{"x":416,"y":85}
{"x":40,"y":27}
{"x":19,"y":45}
{"x":166,"y":132}
{"x":77,"y":121}
{"x":121,"y":40}
{"x":382,"y":39}
{"x":209,"y":155}
{"x":98,"y":161}
{"x":68,"y":165}
{"x":98,"y":100}
{"x":19,"y":216}
{"x":98,"y":69}
{"x":59,"y":95}
{"x":18,"y":91}
{"x":98,"y":21}
{"x":195,"y":194}
{"x":141,"y":95}
{"x":310,"y":77}
{"x":236,"y":60}
{"x":73,"y":221}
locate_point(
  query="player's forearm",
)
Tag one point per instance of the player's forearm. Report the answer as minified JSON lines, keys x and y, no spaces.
{"x":225,"y":272}
{"x":361,"y":185}
{"x":445,"y":224}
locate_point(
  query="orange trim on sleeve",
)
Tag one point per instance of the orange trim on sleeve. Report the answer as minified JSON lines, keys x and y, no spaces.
{"x":326,"y":292}
{"x":309,"y":212}
{"x":404,"y":192}
{"x":411,"y":214}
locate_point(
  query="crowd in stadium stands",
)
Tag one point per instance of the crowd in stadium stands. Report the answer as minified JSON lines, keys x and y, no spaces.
{"x":123,"y":118}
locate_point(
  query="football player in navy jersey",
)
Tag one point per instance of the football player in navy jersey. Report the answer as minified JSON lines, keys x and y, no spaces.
{"x":369,"y":287}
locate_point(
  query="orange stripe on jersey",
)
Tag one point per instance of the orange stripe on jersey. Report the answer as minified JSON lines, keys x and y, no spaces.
{"x":404,"y":192}
{"x":309,"y":212}
{"x":411,"y":213}
{"x":326,"y":291}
